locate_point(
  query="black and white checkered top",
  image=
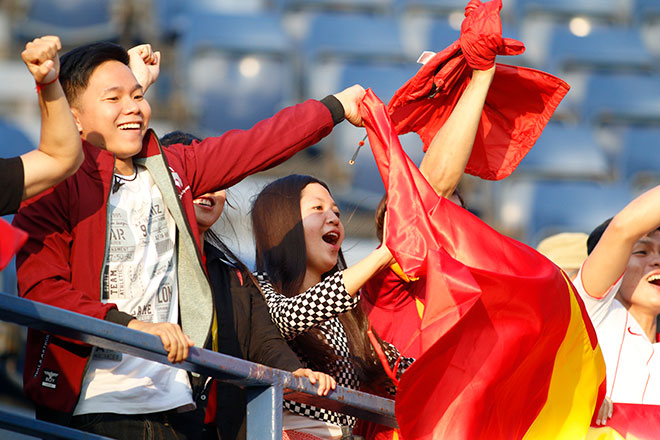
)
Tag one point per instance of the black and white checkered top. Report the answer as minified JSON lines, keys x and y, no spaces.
{"x":319,"y":307}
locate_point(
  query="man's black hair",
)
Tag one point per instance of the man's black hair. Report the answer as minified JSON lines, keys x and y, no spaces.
{"x":595,"y":235}
{"x":77,"y":65}
{"x":178,"y":137}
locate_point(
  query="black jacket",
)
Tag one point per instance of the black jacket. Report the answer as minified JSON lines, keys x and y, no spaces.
{"x":246,"y":331}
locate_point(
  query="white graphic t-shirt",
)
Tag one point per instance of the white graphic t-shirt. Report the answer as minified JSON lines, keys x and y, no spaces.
{"x":140,"y":278}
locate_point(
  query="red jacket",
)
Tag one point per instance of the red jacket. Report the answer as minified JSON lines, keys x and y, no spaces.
{"x":63,"y":260}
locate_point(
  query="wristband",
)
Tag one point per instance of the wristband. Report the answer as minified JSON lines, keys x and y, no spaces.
{"x":40,"y":86}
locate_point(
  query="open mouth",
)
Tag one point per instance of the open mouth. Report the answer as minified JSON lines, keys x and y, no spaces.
{"x":331,"y":238}
{"x":130,"y":126}
{"x":654,"y":279}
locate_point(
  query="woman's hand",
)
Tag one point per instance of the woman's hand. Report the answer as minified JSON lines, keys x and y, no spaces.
{"x":326,"y":382}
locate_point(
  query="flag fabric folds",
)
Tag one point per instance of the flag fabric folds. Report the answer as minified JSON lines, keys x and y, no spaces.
{"x":518,"y":106}
{"x":631,"y":422}
{"x":508,"y":350}
{"x":11,"y":240}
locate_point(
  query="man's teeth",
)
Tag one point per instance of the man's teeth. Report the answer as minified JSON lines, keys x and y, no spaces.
{"x":130,"y":126}
{"x":653,"y":278}
{"x":204,"y":202}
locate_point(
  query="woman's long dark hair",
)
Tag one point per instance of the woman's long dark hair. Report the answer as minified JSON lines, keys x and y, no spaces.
{"x":281,"y":253}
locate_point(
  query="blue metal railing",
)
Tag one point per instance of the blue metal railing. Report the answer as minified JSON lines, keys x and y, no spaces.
{"x":265,"y":386}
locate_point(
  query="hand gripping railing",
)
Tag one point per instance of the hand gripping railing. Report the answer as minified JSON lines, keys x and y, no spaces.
{"x":265,"y":386}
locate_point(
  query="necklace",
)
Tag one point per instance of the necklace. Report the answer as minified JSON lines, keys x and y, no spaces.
{"x":119,"y":181}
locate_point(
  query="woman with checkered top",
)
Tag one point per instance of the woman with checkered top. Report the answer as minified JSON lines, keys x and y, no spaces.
{"x":314,"y":301}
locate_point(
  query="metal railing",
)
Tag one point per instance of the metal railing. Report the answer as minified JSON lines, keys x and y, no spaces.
{"x":265,"y":386}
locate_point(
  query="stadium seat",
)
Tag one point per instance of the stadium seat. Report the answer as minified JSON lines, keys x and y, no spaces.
{"x":367,"y":187}
{"x":609,"y":11}
{"x":441,"y":35}
{"x":383,"y":78}
{"x":372,"y":6}
{"x":622,"y":99}
{"x":432,"y":7}
{"x":14,"y":141}
{"x":543,"y":208}
{"x":237,"y":69}
{"x":565,"y":152}
{"x":640,"y":161}
{"x":352,"y":37}
{"x":603,"y":49}
{"x":646,"y":10}
{"x":76,"y":22}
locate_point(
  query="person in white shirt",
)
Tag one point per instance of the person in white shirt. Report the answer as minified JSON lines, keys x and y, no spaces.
{"x":620,"y":285}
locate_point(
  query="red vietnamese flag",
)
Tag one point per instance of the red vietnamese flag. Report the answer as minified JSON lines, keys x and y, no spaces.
{"x":11,"y":240}
{"x":508,"y":349}
{"x":518,"y":106}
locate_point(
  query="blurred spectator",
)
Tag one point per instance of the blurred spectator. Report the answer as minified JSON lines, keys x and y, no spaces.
{"x":568,"y":250}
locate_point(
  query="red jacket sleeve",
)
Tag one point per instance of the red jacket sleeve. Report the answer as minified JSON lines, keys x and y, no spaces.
{"x":44,"y":265}
{"x":220,"y":162}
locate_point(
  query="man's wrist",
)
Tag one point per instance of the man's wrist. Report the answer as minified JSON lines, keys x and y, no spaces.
{"x":118,"y":317}
{"x":336,"y":108}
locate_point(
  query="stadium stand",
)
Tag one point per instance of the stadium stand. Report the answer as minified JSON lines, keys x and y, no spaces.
{"x":566,"y":152}
{"x":236,"y":69}
{"x":75,"y":21}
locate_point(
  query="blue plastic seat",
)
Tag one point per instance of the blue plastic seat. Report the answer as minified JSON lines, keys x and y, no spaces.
{"x":563,"y":10}
{"x":14,"y":141}
{"x":640,"y":160}
{"x":232,"y":33}
{"x":367,"y":187}
{"x":441,"y":35}
{"x":172,"y":18}
{"x":354,"y":37}
{"x":435,"y":7}
{"x":603,"y":49}
{"x":238,"y":69}
{"x":622,"y":99}
{"x":76,"y":22}
{"x":373,"y":6}
{"x":646,"y":10}
{"x":565,"y":152}
{"x":383,"y":79}
{"x":573,"y":206}
{"x":167,"y":18}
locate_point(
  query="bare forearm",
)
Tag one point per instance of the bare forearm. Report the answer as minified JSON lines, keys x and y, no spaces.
{"x":451,"y":147}
{"x":355,"y":276}
{"x":60,"y":153}
{"x":610,"y":257}
{"x":60,"y":138}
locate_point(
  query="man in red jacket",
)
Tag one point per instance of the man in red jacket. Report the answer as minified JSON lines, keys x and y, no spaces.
{"x":118,"y":241}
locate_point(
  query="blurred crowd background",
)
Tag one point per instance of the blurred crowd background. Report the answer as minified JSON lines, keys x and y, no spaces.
{"x":227,"y":64}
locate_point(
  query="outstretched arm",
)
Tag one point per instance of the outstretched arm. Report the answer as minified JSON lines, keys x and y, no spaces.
{"x":60,"y":153}
{"x":450,"y":149}
{"x":609,"y":258}
{"x":356,"y":275}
